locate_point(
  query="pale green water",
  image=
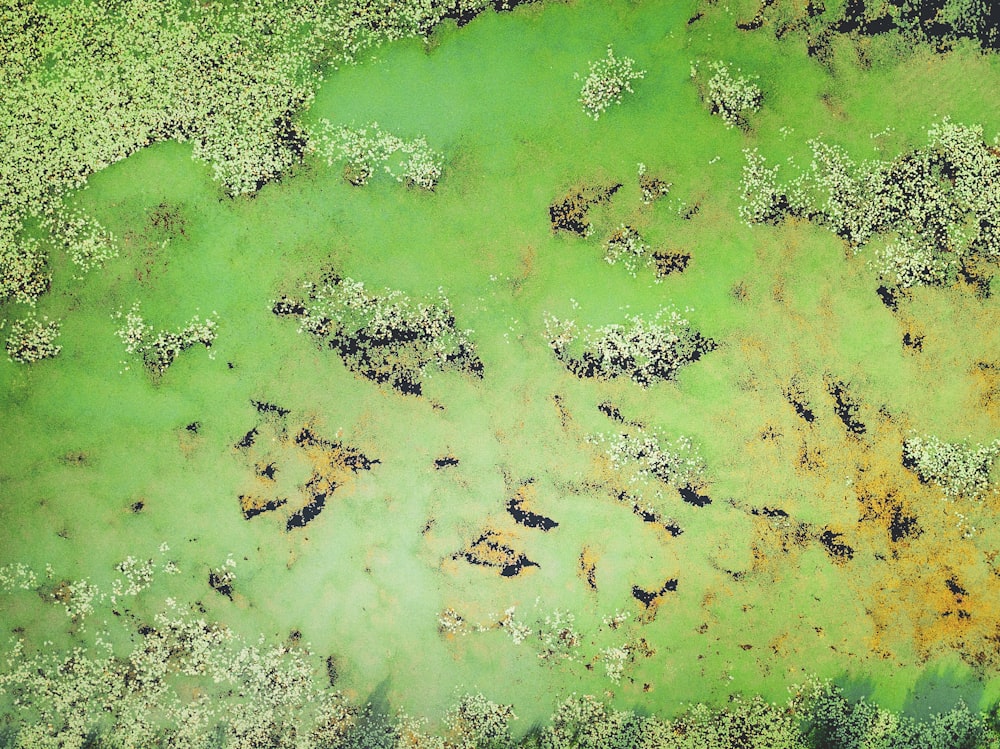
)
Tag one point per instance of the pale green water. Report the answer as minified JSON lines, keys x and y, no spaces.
{"x":363,"y":582}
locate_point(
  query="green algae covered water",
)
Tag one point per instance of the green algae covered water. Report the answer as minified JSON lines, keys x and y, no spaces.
{"x":397,"y":579}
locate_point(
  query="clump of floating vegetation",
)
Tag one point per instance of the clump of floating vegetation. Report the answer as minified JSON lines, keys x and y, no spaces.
{"x":158,"y":350}
{"x":363,"y":150}
{"x":386,"y":338}
{"x":937,"y":208}
{"x":961,"y":469}
{"x":732,"y":97}
{"x":645,"y":351}
{"x":86,"y":84}
{"x":174,"y":678}
{"x":32,"y":339}
{"x":610,"y":78}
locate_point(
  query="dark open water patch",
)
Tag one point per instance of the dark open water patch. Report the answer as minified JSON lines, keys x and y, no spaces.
{"x":307,"y":513}
{"x":649,"y":515}
{"x":669,"y":262}
{"x":650,"y":598}
{"x":693,"y":497}
{"x":221,"y":581}
{"x":839,"y":552}
{"x":265,"y":408}
{"x":796,"y":397}
{"x":526,"y":517}
{"x":445,"y":461}
{"x":247,"y":440}
{"x":253,"y":506}
{"x":569,"y":213}
{"x":491,"y":550}
{"x":913,"y":341}
{"x":903,"y":525}
{"x":845,"y":407}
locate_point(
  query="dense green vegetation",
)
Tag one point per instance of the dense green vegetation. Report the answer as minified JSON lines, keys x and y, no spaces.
{"x":580,"y":374}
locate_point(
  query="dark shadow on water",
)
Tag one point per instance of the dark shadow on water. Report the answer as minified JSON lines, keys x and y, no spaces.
{"x":855,"y":688}
{"x":940,"y":688}
{"x":375,"y":725}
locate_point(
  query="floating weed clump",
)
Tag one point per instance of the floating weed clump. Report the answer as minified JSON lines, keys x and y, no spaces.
{"x":821,"y":27}
{"x":158,"y":350}
{"x":23,"y":272}
{"x":732,"y":97}
{"x":961,"y":469}
{"x":173,"y":678}
{"x":610,"y":78}
{"x":32,"y":339}
{"x":88,"y":244}
{"x":626,"y":246}
{"x":938,"y":207}
{"x":86,"y":84}
{"x":363,"y":150}
{"x":387,"y":338}
{"x":477,"y":722}
{"x":558,"y":641}
{"x":651,"y":188}
{"x":645,"y":351}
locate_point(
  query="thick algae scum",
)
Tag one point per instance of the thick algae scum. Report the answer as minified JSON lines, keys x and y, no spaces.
{"x":499,"y":497}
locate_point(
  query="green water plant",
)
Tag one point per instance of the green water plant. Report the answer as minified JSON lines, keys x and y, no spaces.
{"x":173,"y":678}
{"x":961,"y":469}
{"x":609,"y":79}
{"x":159,"y":349}
{"x":627,"y":247}
{"x":386,"y":337}
{"x":727,"y":94}
{"x":23,"y":271}
{"x":86,"y":83}
{"x":366,"y":149}
{"x":32,"y":339}
{"x":936,"y":208}
{"x":644,"y":350}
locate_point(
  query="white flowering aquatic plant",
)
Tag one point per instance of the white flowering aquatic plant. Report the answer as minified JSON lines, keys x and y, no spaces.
{"x":477,"y":722}
{"x":558,"y":636}
{"x":159,"y":349}
{"x":386,"y":337}
{"x":626,"y":246}
{"x":645,"y":350}
{"x":86,"y":84}
{"x":938,"y":206}
{"x":729,"y":95}
{"x":175,"y":679}
{"x":32,"y":339}
{"x":88,"y":244}
{"x":363,"y":150}
{"x":23,"y":276}
{"x":609,"y":79}
{"x":961,"y":469}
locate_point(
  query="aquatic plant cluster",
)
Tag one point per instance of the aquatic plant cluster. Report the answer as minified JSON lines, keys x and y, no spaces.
{"x":158,"y":350}
{"x":943,"y":23}
{"x":962,"y":470}
{"x":86,"y":84}
{"x":938,"y":207}
{"x":364,"y":149}
{"x":88,"y":244}
{"x":645,"y":351}
{"x":730,"y":96}
{"x":386,"y":338}
{"x":609,"y":79}
{"x":32,"y":339}
{"x":626,"y":246}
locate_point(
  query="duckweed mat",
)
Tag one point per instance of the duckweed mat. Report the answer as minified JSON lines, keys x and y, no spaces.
{"x":470,"y":391}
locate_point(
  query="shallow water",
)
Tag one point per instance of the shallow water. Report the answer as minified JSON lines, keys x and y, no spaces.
{"x":87,"y":438}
